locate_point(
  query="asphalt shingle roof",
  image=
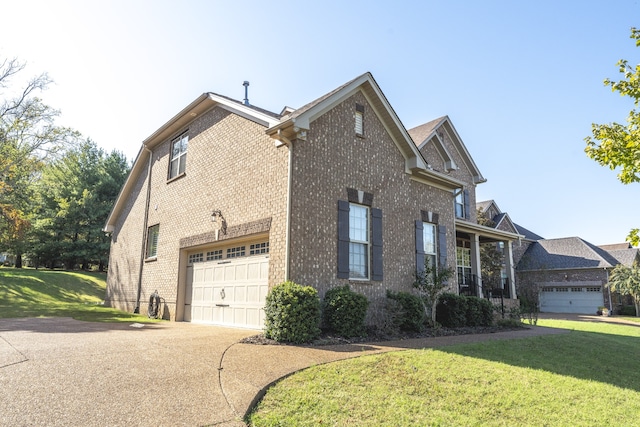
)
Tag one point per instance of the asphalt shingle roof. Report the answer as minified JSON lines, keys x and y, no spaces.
{"x":564,"y":254}
{"x":529,"y":235}
{"x":625,"y":256}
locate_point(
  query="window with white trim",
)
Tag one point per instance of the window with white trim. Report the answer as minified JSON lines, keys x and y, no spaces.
{"x":178,"y":155}
{"x":259,"y":248}
{"x":214,"y":255}
{"x":429,"y":244}
{"x":459,"y":204}
{"x":193,"y":258}
{"x":358,"y":241}
{"x":153,"y":233}
{"x":236,"y":252}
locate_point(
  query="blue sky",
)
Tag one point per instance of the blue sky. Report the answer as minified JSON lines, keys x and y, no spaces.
{"x":520,"y":80}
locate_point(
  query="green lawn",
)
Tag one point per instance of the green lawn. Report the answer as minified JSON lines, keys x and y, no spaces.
{"x":588,"y":377}
{"x":44,"y":293}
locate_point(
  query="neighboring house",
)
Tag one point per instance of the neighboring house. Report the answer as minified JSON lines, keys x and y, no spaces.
{"x":226,"y":200}
{"x":571,"y":274}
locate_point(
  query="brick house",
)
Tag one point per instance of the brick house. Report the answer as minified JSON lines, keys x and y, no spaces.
{"x":226,"y":200}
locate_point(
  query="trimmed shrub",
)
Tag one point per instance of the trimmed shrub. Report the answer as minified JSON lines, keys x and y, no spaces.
{"x":479,"y":312}
{"x":411,"y":316}
{"x":451,"y":310}
{"x":292,"y":313}
{"x":628,"y":310}
{"x":344,"y":311}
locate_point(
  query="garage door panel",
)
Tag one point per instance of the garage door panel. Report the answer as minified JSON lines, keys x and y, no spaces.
{"x":230,"y":292}
{"x":582,"y":298}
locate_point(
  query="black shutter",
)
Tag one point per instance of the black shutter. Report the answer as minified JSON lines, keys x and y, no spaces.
{"x":343,"y":239}
{"x":442,"y":246}
{"x":467,"y":206}
{"x":419,"y":248}
{"x":376,"y":244}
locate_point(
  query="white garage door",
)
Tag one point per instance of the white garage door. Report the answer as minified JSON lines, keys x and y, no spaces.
{"x":228,"y":292}
{"x":582,"y":299}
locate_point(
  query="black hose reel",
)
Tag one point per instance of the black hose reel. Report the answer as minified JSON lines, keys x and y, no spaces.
{"x":154,"y":305}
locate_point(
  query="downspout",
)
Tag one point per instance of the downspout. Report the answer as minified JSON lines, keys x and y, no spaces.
{"x":144,"y":230}
{"x":287,"y":252}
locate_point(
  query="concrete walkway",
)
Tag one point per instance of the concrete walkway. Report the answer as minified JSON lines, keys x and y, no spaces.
{"x":62,"y":372}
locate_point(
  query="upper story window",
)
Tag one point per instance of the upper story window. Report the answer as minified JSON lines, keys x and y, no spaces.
{"x":152,"y":241}
{"x":429,"y":245}
{"x":178,"y":155}
{"x":460,"y":204}
{"x":358,"y":241}
{"x":359,"y":120}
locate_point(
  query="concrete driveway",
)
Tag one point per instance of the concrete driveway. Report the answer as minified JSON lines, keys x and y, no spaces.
{"x":61,"y":372}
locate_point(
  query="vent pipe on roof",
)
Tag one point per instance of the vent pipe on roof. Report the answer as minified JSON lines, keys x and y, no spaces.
{"x":246,"y":92}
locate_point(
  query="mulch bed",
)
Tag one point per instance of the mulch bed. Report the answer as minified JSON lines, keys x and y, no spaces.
{"x":377,"y":336}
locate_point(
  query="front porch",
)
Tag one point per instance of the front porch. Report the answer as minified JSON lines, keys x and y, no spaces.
{"x":470,"y":238}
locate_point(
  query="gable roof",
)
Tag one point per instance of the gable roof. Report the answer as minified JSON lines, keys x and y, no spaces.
{"x":565,"y":254}
{"x":197,"y":107}
{"x":626,"y":257}
{"x":295,"y":124}
{"x":428,"y":132}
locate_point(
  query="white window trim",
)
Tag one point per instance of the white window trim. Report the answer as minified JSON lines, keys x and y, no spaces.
{"x":152,"y":243}
{"x":426,"y":226}
{"x":459,"y":203}
{"x":178,"y":157}
{"x":365,"y":243}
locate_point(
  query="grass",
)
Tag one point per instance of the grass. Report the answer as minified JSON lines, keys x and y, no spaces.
{"x":46,"y":293}
{"x":588,"y":377}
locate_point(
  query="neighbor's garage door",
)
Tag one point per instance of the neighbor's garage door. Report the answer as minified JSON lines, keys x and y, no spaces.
{"x":571,"y":299}
{"x":229,"y":292}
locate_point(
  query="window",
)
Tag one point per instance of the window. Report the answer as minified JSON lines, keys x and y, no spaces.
{"x":214,"y":255}
{"x":358,"y":242}
{"x":193,"y":258}
{"x":235,"y":252}
{"x":576,"y":289}
{"x":463,"y":261}
{"x":152,"y":241}
{"x":429,"y":244}
{"x":259,"y":248}
{"x":359,"y":120}
{"x":593,"y":289}
{"x":460,"y":204}
{"x":178,"y":155}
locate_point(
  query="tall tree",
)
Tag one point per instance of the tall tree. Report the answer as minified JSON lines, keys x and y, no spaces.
{"x":77,"y":192}
{"x":617,"y":145}
{"x":28,"y":138}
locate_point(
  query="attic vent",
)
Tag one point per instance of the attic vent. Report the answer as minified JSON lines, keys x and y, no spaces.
{"x":246,"y":92}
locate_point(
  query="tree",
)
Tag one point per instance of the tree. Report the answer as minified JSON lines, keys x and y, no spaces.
{"x":626,"y":281}
{"x":616,"y":145}
{"x":431,"y":283}
{"x":77,"y":192}
{"x":28,"y":138}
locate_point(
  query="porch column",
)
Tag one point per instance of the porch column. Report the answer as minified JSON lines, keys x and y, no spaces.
{"x":475,"y":260}
{"x":511,"y":275}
